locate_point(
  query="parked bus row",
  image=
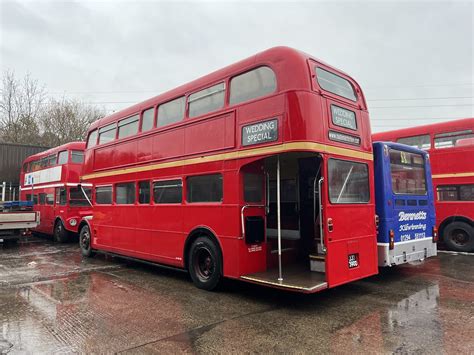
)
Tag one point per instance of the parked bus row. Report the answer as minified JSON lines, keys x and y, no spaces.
{"x":262,"y":171}
{"x":451,"y":147}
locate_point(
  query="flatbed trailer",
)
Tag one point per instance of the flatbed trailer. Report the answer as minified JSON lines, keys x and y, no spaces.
{"x":16,"y":219}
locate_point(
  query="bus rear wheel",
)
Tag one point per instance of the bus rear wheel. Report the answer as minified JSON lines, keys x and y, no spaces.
{"x":60,"y":233}
{"x":85,"y":242}
{"x":459,"y":236}
{"x":205,"y":263}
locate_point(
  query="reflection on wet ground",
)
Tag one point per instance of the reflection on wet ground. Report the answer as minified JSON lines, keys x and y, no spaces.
{"x":53,"y":301}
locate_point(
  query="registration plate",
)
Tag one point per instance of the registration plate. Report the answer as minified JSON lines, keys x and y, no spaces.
{"x":353,"y":260}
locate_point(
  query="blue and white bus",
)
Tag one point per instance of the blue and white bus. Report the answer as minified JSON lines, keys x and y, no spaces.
{"x":404,"y":204}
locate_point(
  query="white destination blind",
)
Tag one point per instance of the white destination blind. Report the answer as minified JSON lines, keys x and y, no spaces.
{"x":343,"y":118}
{"x":261,"y":132}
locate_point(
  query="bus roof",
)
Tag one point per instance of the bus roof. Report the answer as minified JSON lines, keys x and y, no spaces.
{"x":70,"y":145}
{"x":451,"y":126}
{"x":402,"y":147}
{"x":289,"y":64}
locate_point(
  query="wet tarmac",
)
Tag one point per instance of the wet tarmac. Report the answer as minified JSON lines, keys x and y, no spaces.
{"x":51,"y":300}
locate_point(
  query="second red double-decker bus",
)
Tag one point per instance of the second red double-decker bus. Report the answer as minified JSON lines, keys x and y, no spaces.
{"x":451,"y":148}
{"x":50,"y":179}
{"x":261,"y":171}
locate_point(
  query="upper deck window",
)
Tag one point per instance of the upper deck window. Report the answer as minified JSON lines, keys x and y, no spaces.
{"x":451,"y":139}
{"x":107,"y":133}
{"x":407,"y":172}
{"x":52,"y":160}
{"x":92,"y":140}
{"x":206,"y":100}
{"x":77,"y":156}
{"x":335,"y":84}
{"x":348,"y":182}
{"x":420,"y":142}
{"x":171,"y":112}
{"x":147,"y":119}
{"x":255,"y":83}
{"x":128,"y":127}
{"x":62,"y":157}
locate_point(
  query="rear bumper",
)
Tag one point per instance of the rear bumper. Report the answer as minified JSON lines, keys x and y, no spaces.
{"x":404,"y":252}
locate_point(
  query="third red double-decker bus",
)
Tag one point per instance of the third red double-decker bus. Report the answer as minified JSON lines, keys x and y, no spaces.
{"x":50,"y":179}
{"x":261,"y":171}
{"x":451,"y":148}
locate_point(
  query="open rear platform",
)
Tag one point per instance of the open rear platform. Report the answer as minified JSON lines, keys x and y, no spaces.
{"x":296,"y":278}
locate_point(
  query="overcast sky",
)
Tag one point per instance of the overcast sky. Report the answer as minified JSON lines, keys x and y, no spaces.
{"x":414,"y":60}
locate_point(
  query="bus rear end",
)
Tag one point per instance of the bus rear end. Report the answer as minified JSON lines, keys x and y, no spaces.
{"x":404,"y":204}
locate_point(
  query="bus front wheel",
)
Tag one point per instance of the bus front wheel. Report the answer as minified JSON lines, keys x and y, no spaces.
{"x":205,"y":263}
{"x":85,"y":242}
{"x":459,"y":236}
{"x":60,"y":233}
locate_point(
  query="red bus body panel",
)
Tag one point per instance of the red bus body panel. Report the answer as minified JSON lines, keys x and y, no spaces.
{"x":212,"y":143}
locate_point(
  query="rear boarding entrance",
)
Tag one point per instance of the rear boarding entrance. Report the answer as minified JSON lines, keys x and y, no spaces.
{"x":282,"y":207}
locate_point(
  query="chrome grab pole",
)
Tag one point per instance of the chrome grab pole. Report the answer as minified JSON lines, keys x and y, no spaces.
{"x":321,"y":219}
{"x":280,"y":276}
{"x":242,"y":218}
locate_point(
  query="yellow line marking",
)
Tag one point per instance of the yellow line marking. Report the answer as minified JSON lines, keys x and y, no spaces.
{"x":317,"y":147}
{"x":441,"y":176}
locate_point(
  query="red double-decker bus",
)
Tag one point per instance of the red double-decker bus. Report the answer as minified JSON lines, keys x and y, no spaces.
{"x":50,"y":179}
{"x":261,"y":171}
{"x":451,"y":148}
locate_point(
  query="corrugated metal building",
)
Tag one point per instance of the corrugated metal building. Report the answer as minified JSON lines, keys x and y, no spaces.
{"x":11,"y":158}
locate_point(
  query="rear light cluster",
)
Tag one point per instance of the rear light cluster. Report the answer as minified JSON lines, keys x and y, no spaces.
{"x":391,"y":240}
{"x":435,"y":234}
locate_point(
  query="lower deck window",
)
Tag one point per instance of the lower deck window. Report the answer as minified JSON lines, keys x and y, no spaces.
{"x":253,"y":188}
{"x":456,"y":192}
{"x":144,"y":192}
{"x":103,"y":195}
{"x":77,"y":198}
{"x":348,"y":182}
{"x":169,"y":191}
{"x":125,"y":193}
{"x":204,"y":188}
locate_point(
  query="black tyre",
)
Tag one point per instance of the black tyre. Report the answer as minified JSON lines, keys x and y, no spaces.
{"x":459,"y":236}
{"x":60,"y":234}
{"x":205,"y":263}
{"x":85,"y":242}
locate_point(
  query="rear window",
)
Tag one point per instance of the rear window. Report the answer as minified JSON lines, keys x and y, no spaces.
{"x":348,"y":182}
{"x":407,"y":173}
{"x":335,"y":84}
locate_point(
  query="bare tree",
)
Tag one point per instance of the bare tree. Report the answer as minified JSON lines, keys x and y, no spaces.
{"x":67,"y":120}
{"x":21,"y":103}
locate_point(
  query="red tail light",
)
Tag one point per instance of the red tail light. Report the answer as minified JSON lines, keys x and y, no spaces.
{"x":435,"y":234}
{"x":391,"y":236}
